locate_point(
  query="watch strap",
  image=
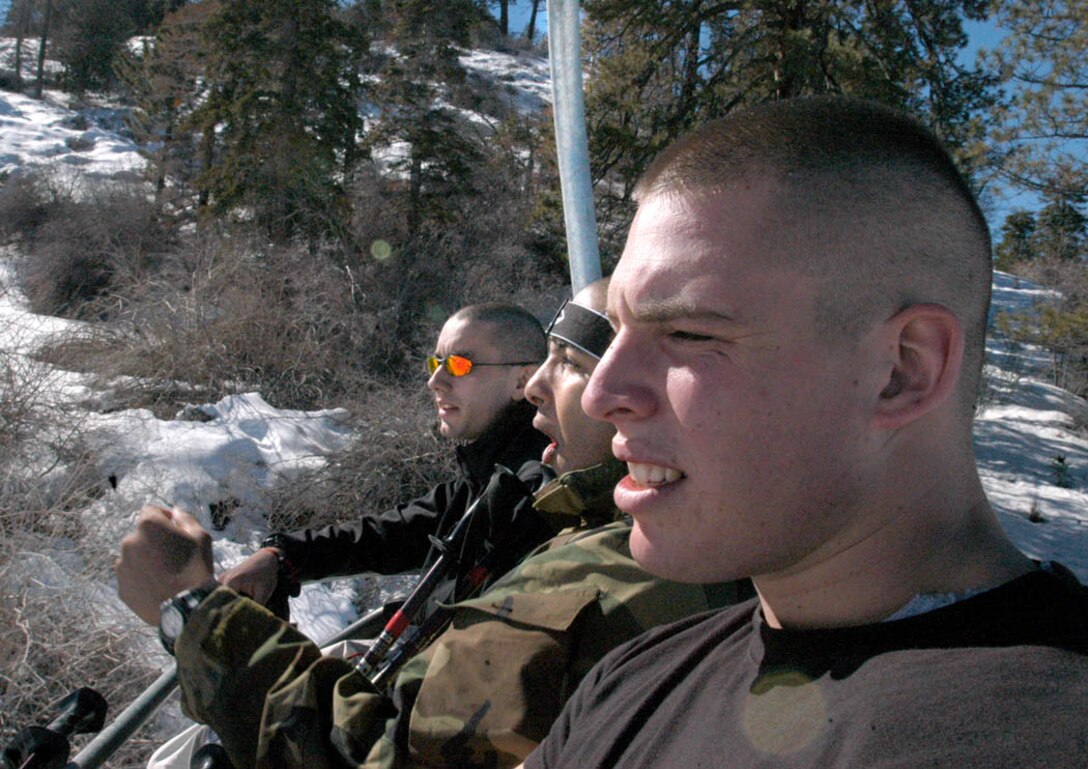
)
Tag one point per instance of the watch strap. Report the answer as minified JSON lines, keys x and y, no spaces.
{"x":287,"y":577}
{"x":184,"y":604}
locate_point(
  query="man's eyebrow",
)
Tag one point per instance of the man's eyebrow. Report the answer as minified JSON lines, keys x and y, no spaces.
{"x":672,"y":309}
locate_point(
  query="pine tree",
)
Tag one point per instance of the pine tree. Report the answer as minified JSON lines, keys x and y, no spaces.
{"x":1061,"y":230}
{"x":280,"y":122}
{"x":165,"y":82}
{"x":1017,"y":240}
{"x":416,"y":100}
{"x":1045,"y":119}
{"x":656,"y":69}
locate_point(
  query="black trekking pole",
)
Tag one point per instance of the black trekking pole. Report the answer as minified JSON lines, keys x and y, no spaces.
{"x":47,"y":747}
{"x":415,"y":601}
{"x":518,"y":538}
{"x":424,"y":633}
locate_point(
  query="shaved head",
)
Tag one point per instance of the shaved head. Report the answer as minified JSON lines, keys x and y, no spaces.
{"x":514,"y":331}
{"x":864,"y":198}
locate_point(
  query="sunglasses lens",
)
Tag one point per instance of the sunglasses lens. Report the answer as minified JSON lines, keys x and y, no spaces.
{"x":457,"y":365}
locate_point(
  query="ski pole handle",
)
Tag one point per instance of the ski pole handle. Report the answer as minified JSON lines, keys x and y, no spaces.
{"x":107,"y":741}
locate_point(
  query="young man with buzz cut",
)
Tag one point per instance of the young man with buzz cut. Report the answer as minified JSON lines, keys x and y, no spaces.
{"x":800,"y":312}
{"x":484,"y":355}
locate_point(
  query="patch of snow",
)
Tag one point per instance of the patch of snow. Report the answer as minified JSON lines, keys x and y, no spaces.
{"x":526,"y":76}
{"x":38,"y":135}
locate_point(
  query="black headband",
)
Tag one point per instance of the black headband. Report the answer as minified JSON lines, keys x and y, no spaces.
{"x":581,"y":327}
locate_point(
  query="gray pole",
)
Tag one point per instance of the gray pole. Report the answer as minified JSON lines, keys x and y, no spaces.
{"x":568,"y":105}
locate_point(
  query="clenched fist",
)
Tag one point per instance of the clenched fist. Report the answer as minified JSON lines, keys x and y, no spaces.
{"x":168,"y":552}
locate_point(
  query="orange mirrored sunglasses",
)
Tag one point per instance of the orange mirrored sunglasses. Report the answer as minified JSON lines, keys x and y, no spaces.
{"x":459,"y":365}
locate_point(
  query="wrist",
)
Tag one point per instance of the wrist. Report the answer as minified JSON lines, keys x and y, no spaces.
{"x":287,"y":575}
{"x":174,"y":612}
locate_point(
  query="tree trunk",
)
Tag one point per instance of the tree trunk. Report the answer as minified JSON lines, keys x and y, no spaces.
{"x":530,"y":31}
{"x":504,"y":17}
{"x":41,"y":48}
{"x":691,"y":60}
{"x":207,"y":155}
{"x":20,"y":34}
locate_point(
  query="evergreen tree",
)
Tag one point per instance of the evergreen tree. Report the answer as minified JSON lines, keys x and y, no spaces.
{"x":165,"y":82}
{"x":1017,"y":240}
{"x":656,"y":69}
{"x":1061,"y":230}
{"x":1045,"y":118}
{"x":416,"y":98}
{"x":280,"y":121}
{"x":90,"y":34}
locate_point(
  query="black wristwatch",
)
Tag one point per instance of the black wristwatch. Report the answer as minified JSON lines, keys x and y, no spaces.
{"x":174,"y":613}
{"x":287,"y":576}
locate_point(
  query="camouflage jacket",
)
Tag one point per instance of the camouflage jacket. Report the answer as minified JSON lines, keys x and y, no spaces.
{"x":483,"y":694}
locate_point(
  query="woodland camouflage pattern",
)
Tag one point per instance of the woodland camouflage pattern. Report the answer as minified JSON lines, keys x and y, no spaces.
{"x":482,"y":695}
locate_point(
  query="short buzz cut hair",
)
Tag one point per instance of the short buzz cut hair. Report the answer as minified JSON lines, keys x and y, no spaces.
{"x":516,"y":332}
{"x":864,"y":198}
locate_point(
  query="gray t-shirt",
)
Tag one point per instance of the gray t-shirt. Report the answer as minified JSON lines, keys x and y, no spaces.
{"x":999,"y":679}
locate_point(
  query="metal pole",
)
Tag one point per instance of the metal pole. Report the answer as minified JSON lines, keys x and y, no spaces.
{"x":107,"y":741}
{"x":572,"y":145}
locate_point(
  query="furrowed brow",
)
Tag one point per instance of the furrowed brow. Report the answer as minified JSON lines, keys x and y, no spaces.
{"x":676,"y":308}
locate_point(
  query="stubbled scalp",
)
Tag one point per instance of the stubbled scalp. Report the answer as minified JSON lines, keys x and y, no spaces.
{"x":864,"y":198}
{"x":516,"y":332}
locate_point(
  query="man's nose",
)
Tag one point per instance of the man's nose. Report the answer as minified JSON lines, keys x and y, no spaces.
{"x":616,"y":389}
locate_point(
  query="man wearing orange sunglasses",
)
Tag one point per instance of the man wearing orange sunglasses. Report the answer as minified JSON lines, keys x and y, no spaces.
{"x":484,"y":356}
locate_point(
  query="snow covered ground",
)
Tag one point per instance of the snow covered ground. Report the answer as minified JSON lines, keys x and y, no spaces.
{"x":69,"y":145}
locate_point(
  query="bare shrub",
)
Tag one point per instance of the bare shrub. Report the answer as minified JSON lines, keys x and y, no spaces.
{"x":57,"y":634}
{"x":58,"y":630}
{"x":1070,"y":278}
{"x":398,"y":456}
{"x":231,"y":314}
{"x":24,"y":206}
{"x":108,"y":239}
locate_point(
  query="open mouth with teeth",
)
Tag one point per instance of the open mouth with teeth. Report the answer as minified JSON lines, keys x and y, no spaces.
{"x":652,"y":475}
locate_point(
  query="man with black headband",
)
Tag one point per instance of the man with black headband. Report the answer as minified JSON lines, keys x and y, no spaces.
{"x":487,"y":689}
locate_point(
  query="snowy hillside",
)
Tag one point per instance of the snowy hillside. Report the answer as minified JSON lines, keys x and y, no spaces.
{"x":39,"y":135}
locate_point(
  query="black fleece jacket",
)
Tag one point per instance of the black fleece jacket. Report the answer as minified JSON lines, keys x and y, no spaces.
{"x":396,"y":540}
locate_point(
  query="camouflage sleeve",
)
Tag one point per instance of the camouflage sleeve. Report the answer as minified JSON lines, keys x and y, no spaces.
{"x":520,"y":651}
{"x":268,"y":693}
{"x":484,"y":694}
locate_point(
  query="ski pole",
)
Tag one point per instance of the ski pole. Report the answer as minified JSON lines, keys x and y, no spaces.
{"x":47,"y":747}
{"x":403,"y":617}
{"x":429,"y":629}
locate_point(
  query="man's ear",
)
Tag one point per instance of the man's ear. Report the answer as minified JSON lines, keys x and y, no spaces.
{"x":925,"y":343}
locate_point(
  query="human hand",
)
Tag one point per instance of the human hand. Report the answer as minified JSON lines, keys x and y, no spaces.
{"x":256,"y":576}
{"x":168,"y":552}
